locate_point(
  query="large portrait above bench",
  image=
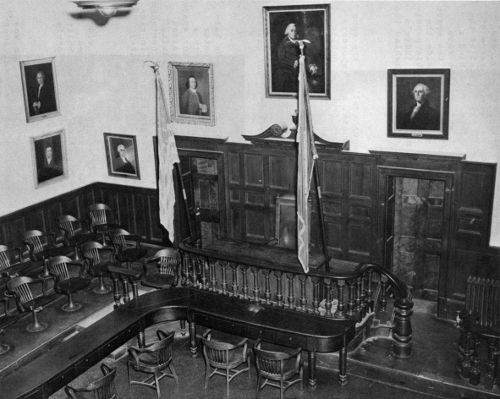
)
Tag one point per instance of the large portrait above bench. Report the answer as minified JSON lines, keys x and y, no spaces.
{"x":285,"y":28}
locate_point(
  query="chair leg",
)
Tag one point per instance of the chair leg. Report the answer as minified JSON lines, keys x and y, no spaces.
{"x":227,"y":381}
{"x":71,"y":306}
{"x":174,"y":374}
{"x":207,"y":374}
{"x":157,"y":386}
{"x":36,"y":325}
{"x":183,"y":327}
{"x":4,"y":348}
{"x":258,"y":385}
{"x":102,"y":289}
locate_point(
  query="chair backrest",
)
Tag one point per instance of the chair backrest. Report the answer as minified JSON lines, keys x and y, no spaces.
{"x":7,"y":255}
{"x":102,"y":388}
{"x":168,"y":260}
{"x":275,"y":364}
{"x":90,"y":250}
{"x":67,"y":224}
{"x":34,"y":237}
{"x":118,"y":237}
{"x":58,"y":266}
{"x":20,"y":286}
{"x":99,"y":214}
{"x":219,"y":353}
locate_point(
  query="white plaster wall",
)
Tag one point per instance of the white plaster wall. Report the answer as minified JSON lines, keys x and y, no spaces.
{"x":104,"y":85}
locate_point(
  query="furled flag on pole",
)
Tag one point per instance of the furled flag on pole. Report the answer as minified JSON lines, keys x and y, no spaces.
{"x":307,"y":155}
{"x":167,"y":156}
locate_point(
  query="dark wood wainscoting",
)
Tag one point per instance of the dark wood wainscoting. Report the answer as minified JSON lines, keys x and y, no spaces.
{"x":135,"y":208}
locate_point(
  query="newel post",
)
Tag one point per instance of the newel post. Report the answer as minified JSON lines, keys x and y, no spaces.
{"x":402,"y":333}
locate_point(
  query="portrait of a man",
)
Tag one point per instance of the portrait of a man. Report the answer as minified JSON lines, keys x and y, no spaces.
{"x":121,"y":154}
{"x":286,"y":29}
{"x":40,"y":92}
{"x":48,"y":157}
{"x":192,"y":97}
{"x":418,"y":103}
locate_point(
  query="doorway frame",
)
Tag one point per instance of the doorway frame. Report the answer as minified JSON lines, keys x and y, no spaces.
{"x":384,"y":175}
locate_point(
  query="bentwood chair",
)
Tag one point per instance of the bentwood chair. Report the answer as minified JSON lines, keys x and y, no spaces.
{"x":155,"y":359}
{"x":128,"y":246}
{"x":28,"y":292}
{"x":41,"y":247}
{"x":8,"y":257}
{"x":70,"y":277}
{"x":75,"y":232}
{"x":101,"y":388}
{"x":278,"y":369}
{"x":98,"y":258}
{"x":224,"y":358}
{"x":101,"y":220}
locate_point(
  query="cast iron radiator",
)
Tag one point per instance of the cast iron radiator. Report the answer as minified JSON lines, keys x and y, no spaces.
{"x":483,"y":298}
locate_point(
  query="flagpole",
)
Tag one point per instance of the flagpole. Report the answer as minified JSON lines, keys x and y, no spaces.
{"x":321,"y":217}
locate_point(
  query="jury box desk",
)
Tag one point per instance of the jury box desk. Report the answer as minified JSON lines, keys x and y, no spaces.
{"x":52,"y":370}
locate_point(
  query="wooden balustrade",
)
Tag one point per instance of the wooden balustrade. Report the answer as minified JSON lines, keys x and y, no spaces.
{"x":337,"y":293}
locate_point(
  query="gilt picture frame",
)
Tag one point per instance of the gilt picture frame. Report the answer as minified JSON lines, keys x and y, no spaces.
{"x":191,"y":93}
{"x":121,"y":155}
{"x":418,"y":103}
{"x":40,"y":93}
{"x":49,"y":158}
{"x":284,"y":27}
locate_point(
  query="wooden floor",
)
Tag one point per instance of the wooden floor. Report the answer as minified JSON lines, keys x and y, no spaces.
{"x":373,"y":373}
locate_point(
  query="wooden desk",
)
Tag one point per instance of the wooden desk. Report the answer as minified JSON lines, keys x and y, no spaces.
{"x":54,"y":369}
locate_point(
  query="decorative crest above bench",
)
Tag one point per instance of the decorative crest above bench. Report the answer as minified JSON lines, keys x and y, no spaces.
{"x":277,"y":135}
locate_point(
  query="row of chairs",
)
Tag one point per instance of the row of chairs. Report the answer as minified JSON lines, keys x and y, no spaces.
{"x":278,"y":369}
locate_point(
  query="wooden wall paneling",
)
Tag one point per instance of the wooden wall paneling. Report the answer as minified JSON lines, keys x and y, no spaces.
{"x":142,"y":214}
{"x":52,"y":211}
{"x":155,"y":233}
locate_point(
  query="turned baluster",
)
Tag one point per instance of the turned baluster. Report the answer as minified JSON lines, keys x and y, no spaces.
{"x":267,"y":286}
{"x":303,"y":299}
{"x":279,"y":288}
{"x":126,"y":295}
{"x":315,"y":301}
{"x":491,"y":367}
{"x":256,"y":289}
{"x":213,"y":276}
{"x":369,"y":292}
{"x":328,"y":297}
{"x":244,"y":272}
{"x":465,"y":364}
{"x":339,"y":313}
{"x":383,"y":293}
{"x":358,"y":297}
{"x":291,"y":296}
{"x":116,"y":291}
{"x":234,"y":267}
{"x":351,"y":294}
{"x":204,"y":282}
{"x":224,"y":279}
{"x":402,"y":331}
{"x":475,"y":371}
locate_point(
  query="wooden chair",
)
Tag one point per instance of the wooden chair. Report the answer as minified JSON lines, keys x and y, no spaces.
{"x":128,"y":246}
{"x":7,"y":258}
{"x":101,"y":220}
{"x":75,"y":232}
{"x":102,"y":388}
{"x":279,"y":369}
{"x":27,"y":299}
{"x":70,"y":277}
{"x":98,"y":258}
{"x":224,"y":358}
{"x":155,"y":359}
{"x":164,"y":272}
{"x":41,"y":246}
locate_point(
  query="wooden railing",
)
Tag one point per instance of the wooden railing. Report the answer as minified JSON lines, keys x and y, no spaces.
{"x":346,"y":290}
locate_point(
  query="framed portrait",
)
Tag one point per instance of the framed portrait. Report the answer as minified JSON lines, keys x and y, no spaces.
{"x":284,"y":27}
{"x":121,"y":155}
{"x":41,"y":99}
{"x":191,"y":93}
{"x":418,"y":103}
{"x":49,"y":158}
